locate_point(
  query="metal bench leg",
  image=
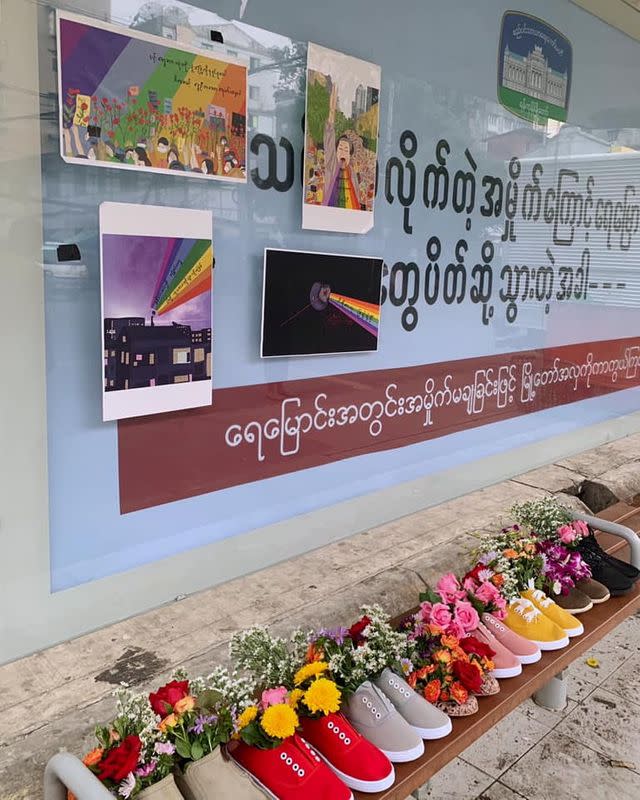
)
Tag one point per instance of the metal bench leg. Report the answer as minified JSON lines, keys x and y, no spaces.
{"x":66,"y":771}
{"x":553,"y":695}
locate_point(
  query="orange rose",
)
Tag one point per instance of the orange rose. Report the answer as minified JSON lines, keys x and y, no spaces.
{"x":432,"y":691}
{"x":412,"y":680}
{"x":497,"y":580}
{"x":509,"y":553}
{"x":449,"y":641}
{"x":314,"y":653}
{"x":93,"y":757}
{"x":444,"y":695}
{"x":168,"y":722}
{"x":187,"y":703}
{"x":435,"y":630}
{"x":443,"y":656}
{"x":459,"y":693}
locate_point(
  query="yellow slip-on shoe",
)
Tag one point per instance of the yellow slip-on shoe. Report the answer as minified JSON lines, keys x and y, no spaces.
{"x":563,"y":619}
{"x":526,"y":620}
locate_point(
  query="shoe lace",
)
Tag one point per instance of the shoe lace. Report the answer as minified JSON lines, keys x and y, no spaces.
{"x":526,"y":609}
{"x":542,"y":598}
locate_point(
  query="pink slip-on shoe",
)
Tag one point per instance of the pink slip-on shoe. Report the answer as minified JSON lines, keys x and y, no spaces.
{"x":507,"y":665}
{"x":523,"y":649}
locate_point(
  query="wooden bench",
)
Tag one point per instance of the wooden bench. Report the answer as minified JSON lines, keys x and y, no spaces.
{"x":65,"y":770}
{"x":597,"y":623}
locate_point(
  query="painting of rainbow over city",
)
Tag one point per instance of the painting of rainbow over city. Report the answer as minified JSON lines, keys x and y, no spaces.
{"x":156,"y":301}
{"x":341,"y":141}
{"x":131,"y":100}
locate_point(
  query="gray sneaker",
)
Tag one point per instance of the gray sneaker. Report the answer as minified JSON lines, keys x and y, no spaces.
{"x":373,"y":715}
{"x":425,"y":719}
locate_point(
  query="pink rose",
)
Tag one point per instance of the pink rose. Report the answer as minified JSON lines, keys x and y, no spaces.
{"x":487,"y":593}
{"x":580,"y":527}
{"x":469,"y":585}
{"x":455,"y":629}
{"x":448,"y":586}
{"x":440,"y":615}
{"x":425,"y":610}
{"x":273,"y":697}
{"x":466,"y":615}
{"x":567,"y":534}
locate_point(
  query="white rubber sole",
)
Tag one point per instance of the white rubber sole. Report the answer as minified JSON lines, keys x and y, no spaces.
{"x":574,"y":631}
{"x":507,"y":672}
{"x":558,"y":644}
{"x":402,"y":756}
{"x":263,"y":788}
{"x":434,"y":733}
{"x":531,"y":659}
{"x":579,"y":610}
{"x":369,"y":787}
{"x":597,"y":600}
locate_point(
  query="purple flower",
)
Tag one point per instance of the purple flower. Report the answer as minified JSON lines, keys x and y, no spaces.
{"x":164,"y":748}
{"x":146,"y":770}
{"x":201,"y":721}
{"x":337,"y":634}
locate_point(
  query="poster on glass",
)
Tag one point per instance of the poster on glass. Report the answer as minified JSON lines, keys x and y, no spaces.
{"x":319,"y":303}
{"x":156,"y":281}
{"x":341,"y":141}
{"x":131,"y":100}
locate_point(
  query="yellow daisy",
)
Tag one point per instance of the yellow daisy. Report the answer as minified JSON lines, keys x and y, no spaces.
{"x":322,"y":696}
{"x":310,"y":671}
{"x":247,"y":717}
{"x":279,"y":721}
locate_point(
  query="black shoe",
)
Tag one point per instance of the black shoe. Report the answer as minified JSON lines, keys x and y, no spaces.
{"x":605,"y":572}
{"x":590,"y":544}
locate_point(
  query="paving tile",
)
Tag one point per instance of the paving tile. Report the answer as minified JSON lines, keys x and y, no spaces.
{"x":545,"y":716}
{"x":457,"y":781}
{"x":625,"y":681}
{"x":608,"y":723}
{"x":577,"y":688}
{"x":504,"y":744}
{"x":552,"y":478}
{"x":498,"y":791}
{"x":560,"y":768}
{"x":611,"y":652}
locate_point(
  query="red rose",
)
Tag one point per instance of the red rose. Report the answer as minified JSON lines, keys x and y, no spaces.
{"x":472,"y":645}
{"x":163,"y":701}
{"x":120,"y":761}
{"x":355,"y":631}
{"x":469,"y":675}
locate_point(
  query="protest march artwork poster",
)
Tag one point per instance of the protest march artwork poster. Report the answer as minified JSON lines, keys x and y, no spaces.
{"x":341,"y":141}
{"x":156,"y":281}
{"x":133,"y":100}
{"x":535,"y":63}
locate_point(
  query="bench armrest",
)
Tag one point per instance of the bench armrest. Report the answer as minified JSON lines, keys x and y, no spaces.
{"x":65,"y":771}
{"x":617,"y":530}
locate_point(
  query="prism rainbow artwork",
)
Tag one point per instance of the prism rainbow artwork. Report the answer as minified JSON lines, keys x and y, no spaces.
{"x":130,"y":100}
{"x":156,"y":279}
{"x":320,"y":303}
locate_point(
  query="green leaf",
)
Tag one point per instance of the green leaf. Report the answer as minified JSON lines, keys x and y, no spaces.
{"x":209,"y":700}
{"x":183,"y":748}
{"x":196,"y":751}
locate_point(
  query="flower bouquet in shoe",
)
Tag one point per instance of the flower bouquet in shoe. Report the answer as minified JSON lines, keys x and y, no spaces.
{"x":433,"y":676}
{"x":563,"y":570}
{"x":199,"y":717}
{"x":305,"y":686}
{"x":358,"y":657}
{"x":513,"y":554}
{"x":554,"y":522}
{"x":133,"y":754}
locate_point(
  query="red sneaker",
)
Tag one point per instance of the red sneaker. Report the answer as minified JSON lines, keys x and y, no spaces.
{"x":290,"y":771}
{"x":357,"y":762}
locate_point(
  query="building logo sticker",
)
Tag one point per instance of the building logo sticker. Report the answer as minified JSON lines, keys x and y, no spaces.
{"x":534,"y":69}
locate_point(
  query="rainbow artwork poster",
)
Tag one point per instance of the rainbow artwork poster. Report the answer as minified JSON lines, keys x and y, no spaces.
{"x":130,"y":100}
{"x":156,"y":282}
{"x":320,"y":303}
